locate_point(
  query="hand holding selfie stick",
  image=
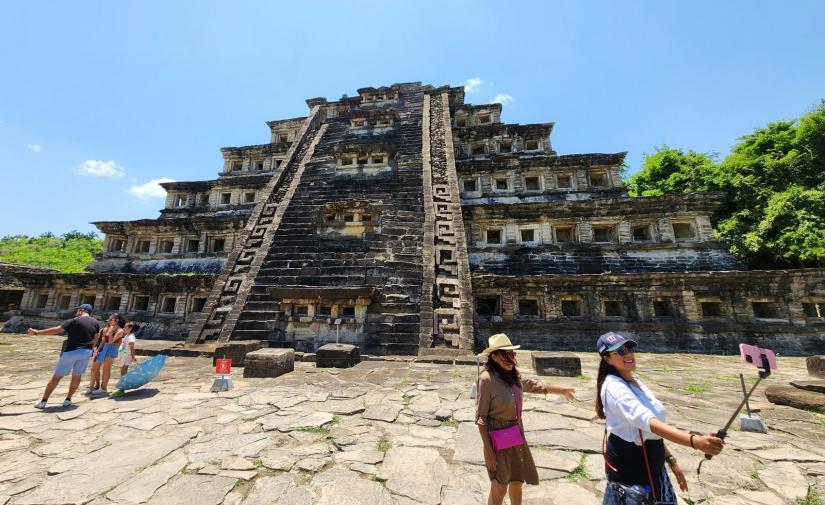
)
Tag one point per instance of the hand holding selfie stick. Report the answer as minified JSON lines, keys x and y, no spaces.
{"x":765,"y":361}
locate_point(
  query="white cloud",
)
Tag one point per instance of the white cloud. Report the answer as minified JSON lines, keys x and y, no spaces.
{"x":472,"y":84}
{"x":97,"y":168}
{"x":35,"y":147}
{"x":502,"y":98}
{"x":149,"y":190}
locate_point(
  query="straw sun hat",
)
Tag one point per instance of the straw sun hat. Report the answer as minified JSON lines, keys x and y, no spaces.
{"x":499,"y":342}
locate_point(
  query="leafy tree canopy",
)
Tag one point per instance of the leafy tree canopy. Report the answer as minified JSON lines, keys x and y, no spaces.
{"x":774,"y":178}
{"x":68,"y":253}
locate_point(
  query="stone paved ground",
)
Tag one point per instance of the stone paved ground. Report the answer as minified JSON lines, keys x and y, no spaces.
{"x":380,"y":433}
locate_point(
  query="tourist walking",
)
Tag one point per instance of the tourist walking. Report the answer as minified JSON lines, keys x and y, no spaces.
{"x":636,"y":471}
{"x":107,"y":348}
{"x":498,"y":416}
{"x":126,"y":352}
{"x":75,"y":353}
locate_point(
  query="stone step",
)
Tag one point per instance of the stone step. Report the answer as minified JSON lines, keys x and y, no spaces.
{"x":264,"y":335}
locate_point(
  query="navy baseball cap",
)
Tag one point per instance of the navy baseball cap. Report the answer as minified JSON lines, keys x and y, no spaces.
{"x":84,"y":307}
{"x":611,"y":341}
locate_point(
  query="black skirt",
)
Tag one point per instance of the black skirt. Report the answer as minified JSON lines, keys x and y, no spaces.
{"x":625,"y":462}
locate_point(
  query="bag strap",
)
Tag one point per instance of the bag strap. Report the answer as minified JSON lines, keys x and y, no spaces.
{"x":604,"y":451}
{"x":647,"y":467}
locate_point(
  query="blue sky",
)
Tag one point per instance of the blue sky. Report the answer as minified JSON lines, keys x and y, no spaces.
{"x":97,"y":99}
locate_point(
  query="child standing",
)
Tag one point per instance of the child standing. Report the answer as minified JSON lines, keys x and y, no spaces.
{"x":126,"y":352}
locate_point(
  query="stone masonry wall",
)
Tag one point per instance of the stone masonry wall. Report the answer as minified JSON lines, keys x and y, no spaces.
{"x":385,"y":255}
{"x":706,"y":312}
{"x":447,"y":271}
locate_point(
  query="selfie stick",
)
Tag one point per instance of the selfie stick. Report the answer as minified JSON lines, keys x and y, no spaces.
{"x":765,"y":371}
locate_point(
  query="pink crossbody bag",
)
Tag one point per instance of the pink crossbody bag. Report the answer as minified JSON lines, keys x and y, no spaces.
{"x":511,"y":436}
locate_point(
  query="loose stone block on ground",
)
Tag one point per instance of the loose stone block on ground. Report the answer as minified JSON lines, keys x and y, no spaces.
{"x":269,"y":363}
{"x":557,"y":364}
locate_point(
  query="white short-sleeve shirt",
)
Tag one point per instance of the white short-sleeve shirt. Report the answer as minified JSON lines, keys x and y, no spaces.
{"x":629,"y":408}
{"x":124,"y":343}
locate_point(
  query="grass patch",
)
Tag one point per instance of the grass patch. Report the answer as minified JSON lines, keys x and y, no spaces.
{"x":695,"y":389}
{"x":323,"y":429}
{"x":755,"y":474}
{"x":813,"y":498}
{"x":580,"y":472}
{"x":583,"y":377}
{"x":108,"y":490}
{"x":383,"y":445}
{"x":727,"y":378}
{"x":666,"y":368}
{"x":379,"y":480}
{"x":689,"y":501}
{"x":451,"y":422}
{"x":406,"y":400}
{"x":402,"y":381}
{"x":821,"y":419}
{"x":258,"y":463}
{"x":456,"y":373}
{"x":250,"y":419}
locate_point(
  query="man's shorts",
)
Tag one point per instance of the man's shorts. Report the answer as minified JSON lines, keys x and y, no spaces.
{"x":108,"y":351}
{"x":72,"y":362}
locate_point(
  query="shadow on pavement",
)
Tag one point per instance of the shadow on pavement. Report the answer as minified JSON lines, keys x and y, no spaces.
{"x":137,"y":394}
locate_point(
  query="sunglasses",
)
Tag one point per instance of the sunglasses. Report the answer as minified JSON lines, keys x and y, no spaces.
{"x":511,"y":355}
{"x":621,"y":351}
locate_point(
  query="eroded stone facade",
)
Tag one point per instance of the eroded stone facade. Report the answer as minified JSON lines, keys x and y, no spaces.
{"x":409,"y":222}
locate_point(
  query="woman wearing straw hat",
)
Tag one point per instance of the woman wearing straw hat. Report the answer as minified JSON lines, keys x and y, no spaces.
{"x":498,"y":416}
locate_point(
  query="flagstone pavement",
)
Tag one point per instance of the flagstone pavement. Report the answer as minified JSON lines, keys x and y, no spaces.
{"x":383,"y":432}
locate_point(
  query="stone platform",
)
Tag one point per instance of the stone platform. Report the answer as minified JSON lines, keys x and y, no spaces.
{"x":383,"y":432}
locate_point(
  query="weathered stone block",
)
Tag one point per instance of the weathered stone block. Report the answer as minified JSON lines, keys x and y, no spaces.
{"x":555,"y":364}
{"x":236,"y":350}
{"x":816,"y":366}
{"x":815,"y":386}
{"x":269,"y":363}
{"x":795,"y":397}
{"x":337,"y":356}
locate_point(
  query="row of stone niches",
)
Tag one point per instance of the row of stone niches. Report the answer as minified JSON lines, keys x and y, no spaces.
{"x":168,"y":304}
{"x":215,"y":244}
{"x":217,"y":199}
{"x":504,"y":146}
{"x":671,"y":308}
{"x":661,"y":230}
{"x":251,"y":165}
{"x":538,"y":181}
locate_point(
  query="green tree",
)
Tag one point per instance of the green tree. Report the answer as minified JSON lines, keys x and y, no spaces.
{"x":774,"y":179}
{"x":671,"y":170}
{"x":69,"y":253}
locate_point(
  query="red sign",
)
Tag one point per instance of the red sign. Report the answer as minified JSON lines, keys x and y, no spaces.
{"x":223,"y":366}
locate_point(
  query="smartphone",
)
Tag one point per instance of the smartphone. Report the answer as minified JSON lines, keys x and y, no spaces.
{"x":753,"y":355}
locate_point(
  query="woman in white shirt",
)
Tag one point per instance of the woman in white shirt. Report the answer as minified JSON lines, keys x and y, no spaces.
{"x":636,"y":474}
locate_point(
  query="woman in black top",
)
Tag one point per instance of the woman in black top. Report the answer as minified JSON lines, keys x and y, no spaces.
{"x":632,"y":413}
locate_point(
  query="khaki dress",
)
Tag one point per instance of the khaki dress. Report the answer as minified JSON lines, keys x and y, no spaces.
{"x":496,"y":409}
